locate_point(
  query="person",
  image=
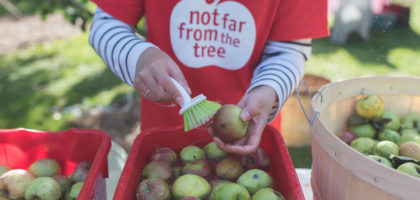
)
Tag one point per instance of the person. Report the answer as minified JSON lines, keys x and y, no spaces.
{"x":249,"y":53}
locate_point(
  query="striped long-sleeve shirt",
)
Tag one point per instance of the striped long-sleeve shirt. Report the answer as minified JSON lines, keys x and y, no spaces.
{"x":281,"y":66}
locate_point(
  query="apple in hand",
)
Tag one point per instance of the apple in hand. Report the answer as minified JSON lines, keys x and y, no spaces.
{"x":165,"y":154}
{"x":363,"y":130}
{"x":228,"y":125}
{"x":45,"y":188}
{"x":363,"y":145}
{"x":213,"y":152}
{"x":256,"y":160}
{"x":44,"y":167}
{"x":190,"y":185}
{"x":15,"y":182}
{"x":254,"y":180}
{"x":191,"y":153}
{"x":153,"y":189}
{"x":267,"y":194}
{"x":158,"y":169}
{"x":386,"y":148}
{"x":381,"y":160}
{"x":231,"y":191}
{"x":410,"y":168}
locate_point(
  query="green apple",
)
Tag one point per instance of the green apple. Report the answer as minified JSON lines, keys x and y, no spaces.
{"x":389,"y":135}
{"x":411,"y":150}
{"x":394,"y":124}
{"x":4,"y":169}
{"x":215,"y":184}
{"x":191,"y":153}
{"x":386,"y":148}
{"x":229,"y":169}
{"x":267,"y":194}
{"x":213,"y":152}
{"x":370,"y":106}
{"x":64,"y":182}
{"x":153,"y":189}
{"x":408,"y":138}
{"x":228,"y":125}
{"x":15,"y":182}
{"x":254,"y":180}
{"x":44,"y":167}
{"x":45,"y":188}
{"x":381,"y":160}
{"x":410,"y":168}
{"x":363,"y":130}
{"x":75,"y":191}
{"x":231,"y":191}
{"x":408,"y":131}
{"x":158,"y":169}
{"x":190,"y":185}
{"x":411,"y":120}
{"x":363,"y":145}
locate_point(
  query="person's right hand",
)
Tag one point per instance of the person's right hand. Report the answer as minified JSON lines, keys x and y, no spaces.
{"x":152,"y":81}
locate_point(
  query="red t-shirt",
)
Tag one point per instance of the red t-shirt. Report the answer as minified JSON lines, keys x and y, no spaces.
{"x":217,"y":43}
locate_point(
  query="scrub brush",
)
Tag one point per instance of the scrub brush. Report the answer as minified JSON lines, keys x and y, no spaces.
{"x":196,"y":111}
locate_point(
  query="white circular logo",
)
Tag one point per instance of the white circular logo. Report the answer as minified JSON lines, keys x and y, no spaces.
{"x":206,"y":32}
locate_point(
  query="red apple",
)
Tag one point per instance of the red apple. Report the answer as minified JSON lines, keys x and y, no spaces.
{"x":158,"y":169}
{"x":153,"y":189}
{"x":256,"y":160}
{"x":347,"y":136}
{"x":199,"y":167}
{"x":164,"y":154}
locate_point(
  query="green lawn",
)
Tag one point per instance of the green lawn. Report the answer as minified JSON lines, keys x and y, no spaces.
{"x":46,"y":86}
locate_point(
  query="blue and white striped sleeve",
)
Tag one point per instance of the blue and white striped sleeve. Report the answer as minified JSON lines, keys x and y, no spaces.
{"x":281,"y":67}
{"x":117,"y":44}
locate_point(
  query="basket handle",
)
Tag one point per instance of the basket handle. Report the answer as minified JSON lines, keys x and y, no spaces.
{"x":312,"y":118}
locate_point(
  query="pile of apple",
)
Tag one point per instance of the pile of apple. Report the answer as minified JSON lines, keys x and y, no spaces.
{"x":384,"y":136}
{"x":206,"y":173}
{"x":209,"y":173}
{"x":42,"y":181}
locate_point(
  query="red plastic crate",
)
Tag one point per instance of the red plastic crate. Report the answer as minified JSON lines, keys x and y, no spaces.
{"x":281,"y":169}
{"x":20,"y":147}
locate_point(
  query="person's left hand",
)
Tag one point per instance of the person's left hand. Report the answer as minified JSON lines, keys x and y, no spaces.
{"x":256,"y":107}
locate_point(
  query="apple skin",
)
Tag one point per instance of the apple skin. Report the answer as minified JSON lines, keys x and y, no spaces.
{"x":259,"y":159}
{"x":199,"y":167}
{"x":165,"y":154}
{"x":190,"y":185}
{"x":386,"y":148}
{"x":82,"y":170}
{"x":408,"y":138}
{"x":190,"y":198}
{"x":15,"y":182}
{"x":229,"y":169}
{"x":394,"y":124}
{"x":371,"y":106}
{"x":4,"y":169}
{"x":363,"y":130}
{"x":158,"y":169}
{"x":410,"y":169}
{"x":381,"y":160}
{"x":363,"y":145}
{"x":45,"y":188}
{"x":388,"y":134}
{"x":408,"y":131}
{"x":75,"y":191}
{"x":411,"y":150}
{"x":254,"y":180}
{"x":215,"y":184}
{"x":231,"y":191}
{"x":347,"y":136}
{"x":44,"y":167}
{"x":228,"y":125}
{"x":213,"y":152}
{"x":64,"y":182}
{"x":153,"y":189}
{"x":191,"y":153}
{"x":267,"y":194}
{"x":411,"y":120}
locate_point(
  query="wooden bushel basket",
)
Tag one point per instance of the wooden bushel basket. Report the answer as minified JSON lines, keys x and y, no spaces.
{"x":340,"y":172}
